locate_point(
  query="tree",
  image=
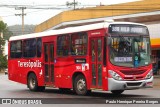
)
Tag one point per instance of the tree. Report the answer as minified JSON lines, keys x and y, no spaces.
{"x":3,"y":58}
{"x":7,"y":34}
{"x":4,"y":29}
{"x":3,"y":26}
{"x":2,"y":43}
{"x":3,"y":62}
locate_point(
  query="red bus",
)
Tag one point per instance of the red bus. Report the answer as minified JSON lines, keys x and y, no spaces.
{"x":108,"y":56}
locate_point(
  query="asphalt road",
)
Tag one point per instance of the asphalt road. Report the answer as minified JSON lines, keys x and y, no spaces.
{"x":9,"y":89}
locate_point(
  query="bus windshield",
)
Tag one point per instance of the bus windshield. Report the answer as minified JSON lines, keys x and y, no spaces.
{"x":129,"y":51}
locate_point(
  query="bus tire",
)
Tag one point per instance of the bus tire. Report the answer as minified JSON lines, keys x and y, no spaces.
{"x":117,"y":92}
{"x":80,"y":86}
{"x":32,"y":82}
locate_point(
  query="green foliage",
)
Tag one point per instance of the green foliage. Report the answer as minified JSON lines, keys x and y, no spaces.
{"x":3,"y":59}
{"x":3,"y":62}
{"x":2,"y":43}
{"x":3,"y":26}
{"x":6,"y":33}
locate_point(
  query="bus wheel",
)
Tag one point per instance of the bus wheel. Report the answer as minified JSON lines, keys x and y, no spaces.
{"x":32,"y":82}
{"x":80,"y":85}
{"x":117,"y":92}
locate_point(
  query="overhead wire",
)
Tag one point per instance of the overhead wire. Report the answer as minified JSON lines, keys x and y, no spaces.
{"x":111,"y":7}
{"x":58,"y":6}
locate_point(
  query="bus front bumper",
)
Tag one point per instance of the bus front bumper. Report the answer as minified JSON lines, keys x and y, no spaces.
{"x":129,"y":85}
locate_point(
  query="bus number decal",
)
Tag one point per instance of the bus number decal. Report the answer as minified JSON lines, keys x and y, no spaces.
{"x":78,"y":67}
{"x":83,"y":67}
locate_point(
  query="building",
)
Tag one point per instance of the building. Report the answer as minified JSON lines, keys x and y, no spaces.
{"x":143,"y":11}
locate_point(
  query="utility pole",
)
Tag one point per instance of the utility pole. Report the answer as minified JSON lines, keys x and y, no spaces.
{"x":74,"y":3}
{"x":23,"y":14}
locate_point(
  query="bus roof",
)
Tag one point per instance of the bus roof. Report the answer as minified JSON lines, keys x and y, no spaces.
{"x":69,"y":30}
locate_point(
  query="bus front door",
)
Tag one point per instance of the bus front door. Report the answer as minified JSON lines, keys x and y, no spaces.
{"x":49,"y":63}
{"x":96,"y":54}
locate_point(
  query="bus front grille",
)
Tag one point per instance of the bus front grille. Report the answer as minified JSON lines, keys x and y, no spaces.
{"x":133,"y":78}
{"x":133,"y":72}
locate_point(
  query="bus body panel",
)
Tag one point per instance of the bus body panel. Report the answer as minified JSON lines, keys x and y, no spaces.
{"x":18,"y":71}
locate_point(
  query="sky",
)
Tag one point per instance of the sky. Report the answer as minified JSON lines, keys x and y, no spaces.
{"x":37,"y":16}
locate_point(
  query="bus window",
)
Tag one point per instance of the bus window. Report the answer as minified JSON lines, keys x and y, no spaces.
{"x":16,"y":49}
{"x":99,"y":49}
{"x":79,"y":44}
{"x":29,"y":48}
{"x":63,"y":45}
{"x":93,"y":50}
{"x":39,"y":47}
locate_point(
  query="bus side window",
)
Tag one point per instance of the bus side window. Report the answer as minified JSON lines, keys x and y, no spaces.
{"x":16,"y":49}
{"x":29,"y":48}
{"x":63,"y":45}
{"x":12,"y":49}
{"x":39,"y":47}
{"x":79,"y":44}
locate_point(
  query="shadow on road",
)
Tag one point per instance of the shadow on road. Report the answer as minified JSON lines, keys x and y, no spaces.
{"x":56,"y":96}
{"x":102,"y":94}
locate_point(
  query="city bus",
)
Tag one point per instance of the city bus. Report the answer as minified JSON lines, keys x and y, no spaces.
{"x":106,"y":56}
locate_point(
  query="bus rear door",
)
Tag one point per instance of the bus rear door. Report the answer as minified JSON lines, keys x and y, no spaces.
{"x":49,"y":63}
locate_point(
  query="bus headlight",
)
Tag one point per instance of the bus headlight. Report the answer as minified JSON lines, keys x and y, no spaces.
{"x":114,"y":75}
{"x":149,"y":75}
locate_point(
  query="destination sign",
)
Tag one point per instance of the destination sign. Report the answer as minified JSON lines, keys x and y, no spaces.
{"x":135,"y":29}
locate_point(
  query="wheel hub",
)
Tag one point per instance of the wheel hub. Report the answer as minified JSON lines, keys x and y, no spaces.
{"x":32,"y":82}
{"x":81,"y":85}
